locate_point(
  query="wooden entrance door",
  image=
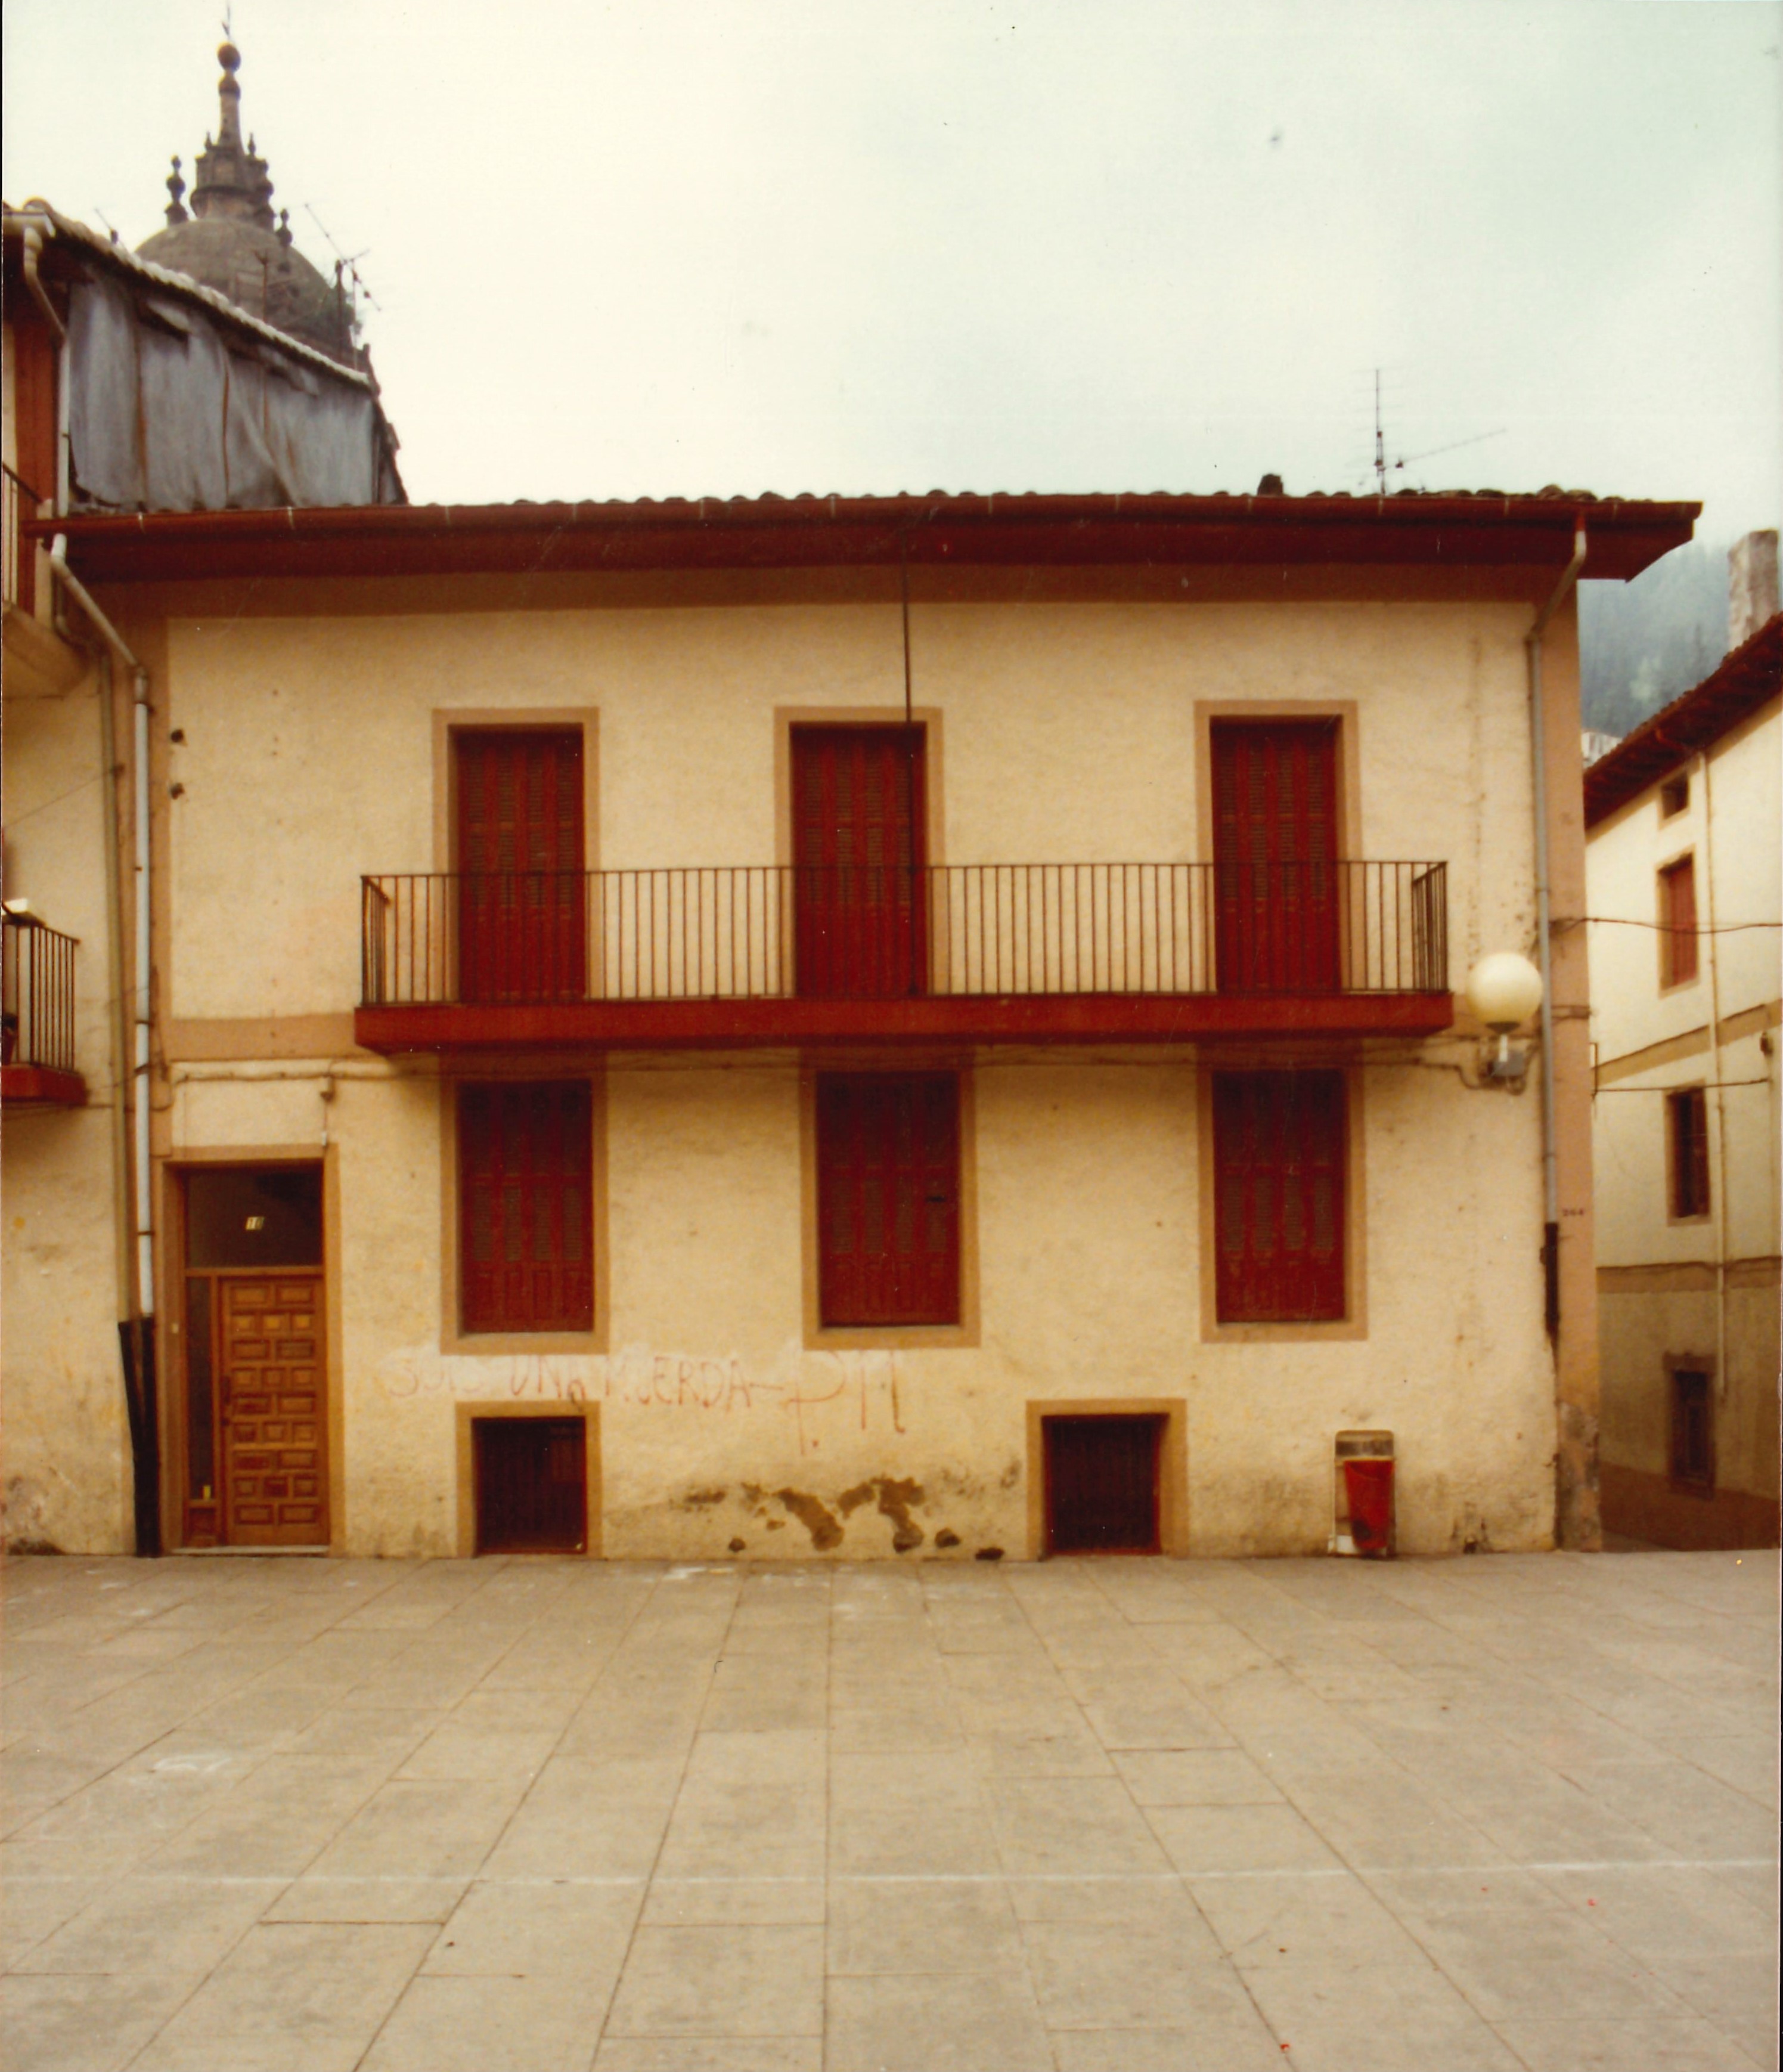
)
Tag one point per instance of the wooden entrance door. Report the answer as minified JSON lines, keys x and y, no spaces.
{"x":1275,"y":855}
{"x":1102,"y":1484}
{"x":858,"y":855}
{"x":274,"y":1412}
{"x":522,"y":895}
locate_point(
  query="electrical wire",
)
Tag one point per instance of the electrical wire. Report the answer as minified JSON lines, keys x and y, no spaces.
{"x":1664,"y":928}
{"x":1676,"y":1090}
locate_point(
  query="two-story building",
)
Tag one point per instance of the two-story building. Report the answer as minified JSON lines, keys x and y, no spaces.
{"x":1685,"y":868}
{"x":853,"y":1027}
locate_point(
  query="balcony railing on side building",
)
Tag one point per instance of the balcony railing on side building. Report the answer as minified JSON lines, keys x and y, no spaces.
{"x":37,"y":993}
{"x":18,"y":502}
{"x":881,"y":932}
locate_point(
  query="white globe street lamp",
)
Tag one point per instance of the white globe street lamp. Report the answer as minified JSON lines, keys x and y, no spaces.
{"x":1504,"y":990}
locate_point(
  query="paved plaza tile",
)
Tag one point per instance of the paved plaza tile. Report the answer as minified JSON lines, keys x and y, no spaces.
{"x":284,"y":1814}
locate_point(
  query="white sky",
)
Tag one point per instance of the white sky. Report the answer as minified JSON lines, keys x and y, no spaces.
{"x":685,"y":247}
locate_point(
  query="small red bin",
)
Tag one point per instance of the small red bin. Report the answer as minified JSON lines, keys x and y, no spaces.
{"x":1368,"y":1485}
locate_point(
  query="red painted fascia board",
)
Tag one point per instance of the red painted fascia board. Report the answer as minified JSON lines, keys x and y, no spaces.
{"x":737,"y":1024}
{"x":776,"y":533}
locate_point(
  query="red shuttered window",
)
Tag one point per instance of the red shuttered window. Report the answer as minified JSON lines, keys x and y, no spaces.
{"x":857,"y":805}
{"x":1692,"y":1461}
{"x":888,"y":1198}
{"x":1274,"y":855}
{"x":525,"y":1182}
{"x":1279,"y":1160}
{"x":522,"y":897}
{"x":1687,"y":1116}
{"x":1678,"y":919}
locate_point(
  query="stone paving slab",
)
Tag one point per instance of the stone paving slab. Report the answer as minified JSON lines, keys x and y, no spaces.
{"x":560,"y":1816}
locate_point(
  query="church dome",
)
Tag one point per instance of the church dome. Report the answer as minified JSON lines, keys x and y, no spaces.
{"x":268,"y":280}
{"x":228,"y":242}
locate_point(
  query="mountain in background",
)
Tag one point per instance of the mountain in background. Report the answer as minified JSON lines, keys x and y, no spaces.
{"x":1645,"y":642}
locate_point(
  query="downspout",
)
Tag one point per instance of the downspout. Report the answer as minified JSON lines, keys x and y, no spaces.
{"x":138,"y":1327}
{"x":117,"y":1017}
{"x":1544,"y":952}
{"x":1720,"y":1090}
{"x":919,"y":937}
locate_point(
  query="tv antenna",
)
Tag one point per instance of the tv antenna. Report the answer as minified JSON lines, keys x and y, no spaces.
{"x":1383,"y":467}
{"x":346,"y":262}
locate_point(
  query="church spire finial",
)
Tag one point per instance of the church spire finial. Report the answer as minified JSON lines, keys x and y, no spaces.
{"x":231,"y":179}
{"x":229,"y":95}
{"x":176,"y":188}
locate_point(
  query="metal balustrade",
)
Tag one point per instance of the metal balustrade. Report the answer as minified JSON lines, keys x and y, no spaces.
{"x":18,"y":501}
{"x":37,"y":993}
{"x":763,"y":931}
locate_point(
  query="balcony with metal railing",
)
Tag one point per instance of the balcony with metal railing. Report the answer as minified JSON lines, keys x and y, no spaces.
{"x":18,"y":501}
{"x":789,"y":954}
{"x":37,"y":1069}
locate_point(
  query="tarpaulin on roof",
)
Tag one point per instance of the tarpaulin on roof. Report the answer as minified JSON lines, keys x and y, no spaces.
{"x":169,"y":411}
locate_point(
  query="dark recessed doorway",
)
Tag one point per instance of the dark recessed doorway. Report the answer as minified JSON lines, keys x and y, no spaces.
{"x":250,"y":1318}
{"x":1102,"y":1484}
{"x":532,"y":1485}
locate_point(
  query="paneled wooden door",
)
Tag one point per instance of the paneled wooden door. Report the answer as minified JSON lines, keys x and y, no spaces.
{"x":1275,"y":876}
{"x":273,"y":1409}
{"x":858,"y":856}
{"x":523,"y":899}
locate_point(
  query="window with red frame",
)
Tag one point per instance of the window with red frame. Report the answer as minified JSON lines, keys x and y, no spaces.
{"x":1692,"y":1450}
{"x":888,"y":1198}
{"x":522,"y":896}
{"x":1279,"y":1160}
{"x":525,"y":1211}
{"x":1687,"y":1114}
{"x":1678,"y":917}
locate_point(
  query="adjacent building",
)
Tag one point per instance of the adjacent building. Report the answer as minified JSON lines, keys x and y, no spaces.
{"x":214,"y":369}
{"x":1685,"y":870}
{"x":918,"y":1027}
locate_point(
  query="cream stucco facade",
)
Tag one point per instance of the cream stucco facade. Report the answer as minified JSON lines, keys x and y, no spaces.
{"x":1696,"y":1291}
{"x":66,"y":1471}
{"x":297,"y":743}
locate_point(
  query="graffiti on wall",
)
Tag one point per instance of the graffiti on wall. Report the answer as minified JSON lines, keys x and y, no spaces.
{"x":814,"y":1390}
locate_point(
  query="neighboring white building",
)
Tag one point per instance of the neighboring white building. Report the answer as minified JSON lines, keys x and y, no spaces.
{"x":1683,"y":860}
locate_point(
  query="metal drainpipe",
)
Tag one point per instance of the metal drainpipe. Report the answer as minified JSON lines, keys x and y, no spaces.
{"x":1551,"y":1164}
{"x":145,"y":1434}
{"x":117,"y":1019}
{"x":1720,"y":1182}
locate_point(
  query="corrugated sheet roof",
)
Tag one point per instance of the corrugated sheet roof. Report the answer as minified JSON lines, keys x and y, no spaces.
{"x":67,"y":228}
